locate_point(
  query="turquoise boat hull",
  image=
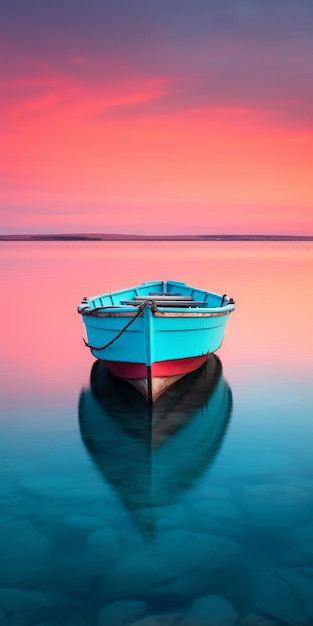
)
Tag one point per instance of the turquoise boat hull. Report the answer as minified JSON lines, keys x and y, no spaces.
{"x":155,"y":333}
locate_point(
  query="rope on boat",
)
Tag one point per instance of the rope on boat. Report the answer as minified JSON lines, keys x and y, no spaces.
{"x":140,"y":311}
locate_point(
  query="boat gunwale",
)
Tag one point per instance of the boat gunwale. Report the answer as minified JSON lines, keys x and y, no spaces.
{"x":132,"y":311}
{"x":88,"y":307}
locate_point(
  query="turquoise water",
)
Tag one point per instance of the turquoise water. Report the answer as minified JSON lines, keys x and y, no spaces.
{"x":197,"y":514}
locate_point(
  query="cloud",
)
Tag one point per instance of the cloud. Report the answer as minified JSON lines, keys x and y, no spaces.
{"x":204,"y":54}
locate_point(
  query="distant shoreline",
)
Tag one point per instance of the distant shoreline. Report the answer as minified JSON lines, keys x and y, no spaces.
{"x":123,"y":237}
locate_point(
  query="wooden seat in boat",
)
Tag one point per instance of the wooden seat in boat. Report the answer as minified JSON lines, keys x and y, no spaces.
{"x":165,"y":297}
{"x":167,"y":303}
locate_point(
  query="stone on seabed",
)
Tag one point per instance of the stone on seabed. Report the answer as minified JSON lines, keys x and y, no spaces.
{"x":179,"y":554}
{"x":213,"y":610}
{"x":121,"y":613}
{"x":286,"y":594}
{"x":24,"y":608}
{"x":275,"y":506}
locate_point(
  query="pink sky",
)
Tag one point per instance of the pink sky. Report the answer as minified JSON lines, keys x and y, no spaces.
{"x":162,"y":117}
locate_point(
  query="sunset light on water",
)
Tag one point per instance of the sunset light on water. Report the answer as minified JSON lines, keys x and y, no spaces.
{"x":212,"y":517}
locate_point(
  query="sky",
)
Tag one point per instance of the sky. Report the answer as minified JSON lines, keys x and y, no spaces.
{"x":156,"y":116}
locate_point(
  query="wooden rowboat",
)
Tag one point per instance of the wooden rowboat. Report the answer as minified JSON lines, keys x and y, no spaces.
{"x":154,"y":334}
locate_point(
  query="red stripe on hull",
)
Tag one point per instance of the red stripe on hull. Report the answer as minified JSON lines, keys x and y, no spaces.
{"x":177,"y":367}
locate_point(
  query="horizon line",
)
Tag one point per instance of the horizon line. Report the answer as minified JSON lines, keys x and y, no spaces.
{"x":133,"y":236}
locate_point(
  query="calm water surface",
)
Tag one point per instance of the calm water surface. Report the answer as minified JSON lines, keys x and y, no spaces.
{"x":199,"y":514}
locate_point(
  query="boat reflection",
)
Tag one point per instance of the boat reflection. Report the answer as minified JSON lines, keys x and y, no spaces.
{"x":151,"y":454}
